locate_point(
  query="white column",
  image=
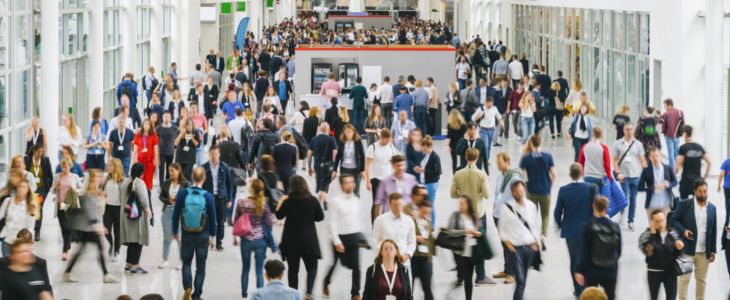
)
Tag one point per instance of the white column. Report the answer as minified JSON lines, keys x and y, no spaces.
{"x":356,"y":5}
{"x":712,"y":120}
{"x":255,"y":12}
{"x":424,"y":9}
{"x":96,"y":53}
{"x":176,"y":30}
{"x":156,"y":28}
{"x":129,"y":35}
{"x":50,"y":110}
{"x":189,"y":42}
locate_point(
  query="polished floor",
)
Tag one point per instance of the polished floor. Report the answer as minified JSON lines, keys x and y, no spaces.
{"x":224,"y":268}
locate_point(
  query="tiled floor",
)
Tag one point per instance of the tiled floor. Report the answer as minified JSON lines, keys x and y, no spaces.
{"x":224,"y":269}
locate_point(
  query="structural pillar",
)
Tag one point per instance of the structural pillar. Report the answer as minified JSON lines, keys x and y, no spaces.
{"x":50,"y":110}
{"x":156,"y":24}
{"x":129,"y":51}
{"x":712,"y":120}
{"x":96,"y":53}
{"x":189,"y":42}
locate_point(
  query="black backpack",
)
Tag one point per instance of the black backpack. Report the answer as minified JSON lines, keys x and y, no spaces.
{"x":604,"y":245}
{"x":127,"y":90}
{"x":267,"y":143}
{"x":301,"y":143}
{"x":648,"y":127}
{"x":246,"y":137}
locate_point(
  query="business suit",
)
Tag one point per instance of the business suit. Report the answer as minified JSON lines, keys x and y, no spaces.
{"x":359,"y":95}
{"x":231,"y":154}
{"x":646,"y":184}
{"x":219,"y":64}
{"x":478,"y":143}
{"x":684,"y":219}
{"x":222,"y":198}
{"x":573,"y":209}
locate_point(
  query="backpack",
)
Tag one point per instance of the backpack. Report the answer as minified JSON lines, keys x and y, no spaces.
{"x":300,"y":141}
{"x":268,"y":141}
{"x":604,"y":245}
{"x":131,"y":210}
{"x":246,"y":136}
{"x":194,"y":216}
{"x":649,"y":127}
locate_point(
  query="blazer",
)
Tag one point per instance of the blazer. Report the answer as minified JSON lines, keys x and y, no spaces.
{"x":359,"y":155}
{"x":646,"y":183}
{"x":371,"y":287}
{"x":432,"y":170}
{"x":165,"y":191}
{"x":224,"y":181}
{"x":45,"y":167}
{"x":171,"y":107}
{"x":683,"y":218}
{"x":482,"y":161}
{"x":231,"y":154}
{"x":300,"y":233}
{"x":413,"y":160}
{"x":574,"y":208}
{"x":478,"y":92}
{"x":287,"y":85}
{"x":501,"y":101}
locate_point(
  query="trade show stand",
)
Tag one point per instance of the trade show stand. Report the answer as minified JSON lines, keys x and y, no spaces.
{"x":372,"y":63}
{"x":339,"y":23}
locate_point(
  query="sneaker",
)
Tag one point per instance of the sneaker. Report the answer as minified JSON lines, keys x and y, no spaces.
{"x":219,"y":248}
{"x":138,"y":270}
{"x":114,"y":257}
{"x":485,"y":281}
{"x":308,"y":297}
{"x":631,"y":226}
{"x":509,"y":279}
{"x":163,"y":264}
{"x":110,"y":279}
{"x":500,"y":275}
{"x":67,"y":277}
{"x":497,"y":145}
{"x":188,"y":294}
{"x":542,"y":243}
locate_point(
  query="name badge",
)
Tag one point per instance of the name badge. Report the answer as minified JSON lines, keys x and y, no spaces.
{"x":422,"y":248}
{"x":120,"y":148}
{"x":37,"y":180}
{"x":186,"y":148}
{"x":144,"y":150}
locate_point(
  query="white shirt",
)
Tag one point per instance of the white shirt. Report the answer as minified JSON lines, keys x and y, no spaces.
{"x":701,"y":221}
{"x":344,"y":216}
{"x":380,"y":167}
{"x":511,"y":228}
{"x":65,"y":138}
{"x":402,"y":230}
{"x":235,"y":127}
{"x":386,"y":93}
{"x":16,"y":218}
{"x":214,"y":173}
{"x":461,"y":69}
{"x":491,"y":115}
{"x":515,"y":68}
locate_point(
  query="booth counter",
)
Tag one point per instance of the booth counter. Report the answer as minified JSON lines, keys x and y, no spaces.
{"x":372,"y":63}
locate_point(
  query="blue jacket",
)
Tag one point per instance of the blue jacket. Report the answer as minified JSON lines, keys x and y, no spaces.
{"x":490,"y":93}
{"x":683,"y":218}
{"x":180,"y":204}
{"x":276,"y":290}
{"x":133,"y":87}
{"x":646,"y":182}
{"x":574,"y":208}
{"x":224,"y":180}
{"x":404,"y":102}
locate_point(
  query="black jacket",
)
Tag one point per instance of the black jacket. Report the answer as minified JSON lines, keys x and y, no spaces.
{"x":231,"y":154}
{"x":331,"y":115}
{"x":225,"y":188}
{"x":309,"y":130}
{"x":45,"y":167}
{"x":664,"y":252}
{"x":432,"y":171}
{"x":300,"y":234}
{"x":165,"y":191}
{"x":258,"y":141}
{"x":371,"y":286}
{"x":359,"y":155}
{"x":286,"y":84}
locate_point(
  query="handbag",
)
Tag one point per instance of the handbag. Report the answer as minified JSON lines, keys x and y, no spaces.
{"x":449,"y":241}
{"x":681,"y":266}
{"x":243,"y":225}
{"x":72,"y":199}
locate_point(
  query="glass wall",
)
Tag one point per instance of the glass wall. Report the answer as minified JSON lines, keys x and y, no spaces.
{"x":144,"y":12}
{"x":225,"y":34}
{"x":607,"y":51}
{"x":73,"y":40}
{"x":112,"y":53}
{"x":166,"y":32}
{"x":16,"y":77}
{"x":725,"y":122}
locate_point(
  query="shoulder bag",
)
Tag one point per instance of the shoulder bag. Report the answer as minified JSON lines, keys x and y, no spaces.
{"x":622,"y":158}
{"x":681,"y":266}
{"x":537,"y":260}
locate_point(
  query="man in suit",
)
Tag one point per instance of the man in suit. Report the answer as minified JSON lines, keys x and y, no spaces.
{"x":219,"y":63}
{"x":501,"y":101}
{"x":696,"y":220}
{"x":283,"y":90}
{"x":218,"y":183}
{"x":657,"y":180}
{"x":259,"y":89}
{"x":472,"y":141}
{"x":359,"y":96}
{"x":572,"y":211}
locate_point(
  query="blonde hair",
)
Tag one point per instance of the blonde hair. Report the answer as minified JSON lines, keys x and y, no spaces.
{"x":29,"y":201}
{"x":16,"y":161}
{"x":93,"y":187}
{"x":117,"y":174}
{"x":456,"y":120}
{"x":72,"y":130}
{"x":314,"y":112}
{"x":66,"y":162}
{"x":577,"y":85}
{"x":624,"y":110}
{"x":286,"y":136}
{"x":342,"y":111}
{"x":453,"y":87}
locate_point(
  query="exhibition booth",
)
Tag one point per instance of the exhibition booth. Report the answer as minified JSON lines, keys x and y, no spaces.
{"x":372,"y":63}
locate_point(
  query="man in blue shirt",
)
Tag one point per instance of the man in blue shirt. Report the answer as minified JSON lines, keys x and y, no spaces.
{"x":218,"y":183}
{"x":572,"y":211}
{"x":275,"y":289}
{"x":404,"y":102}
{"x":283,"y":90}
{"x":540,"y":170}
{"x":420,"y":99}
{"x":194,"y":243}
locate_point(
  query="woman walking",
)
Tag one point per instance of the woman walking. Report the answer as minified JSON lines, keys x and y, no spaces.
{"x":255,"y":208}
{"x":17,"y":212}
{"x":414,"y":154}
{"x":66,"y":186}
{"x":350,"y":158}
{"x":168,"y":191}
{"x":374,"y":124}
{"x":527,"y":116}
{"x":112,"y":210}
{"x":311,"y":124}
{"x":187,"y":141}
{"x":299,"y":239}
{"x":134,"y":232}
{"x":95,"y":145}
{"x":85,"y":221}
{"x":387,"y":278}
{"x":465,"y":222}
{"x":145,"y":149}
{"x":581,"y":129}
{"x":455,"y":131}
{"x":661,"y":245}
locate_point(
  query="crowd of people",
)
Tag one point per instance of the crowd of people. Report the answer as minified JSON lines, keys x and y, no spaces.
{"x":231,"y":158}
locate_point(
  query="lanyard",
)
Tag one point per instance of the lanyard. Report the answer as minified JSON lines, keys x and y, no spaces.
{"x":144,"y":140}
{"x":36,"y":134}
{"x":121,"y":132}
{"x":390,"y":281}
{"x":36,"y":167}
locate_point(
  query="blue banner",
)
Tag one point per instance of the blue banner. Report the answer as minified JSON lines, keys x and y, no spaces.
{"x":241,"y":33}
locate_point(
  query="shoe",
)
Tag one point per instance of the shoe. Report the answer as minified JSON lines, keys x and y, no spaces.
{"x":500,"y":275}
{"x":631,"y":226}
{"x":67,"y":277}
{"x":542,"y":243}
{"x":219,"y":248}
{"x":497,"y":145}
{"x":138,"y":270}
{"x":560,"y":134}
{"x":485,"y":281}
{"x":37,"y":236}
{"x":110,"y":279}
{"x":553,"y":136}
{"x":188,"y":294}
{"x":163,"y":264}
{"x":308,"y":297}
{"x":325,"y":291}
{"x":509,"y":279}
{"x":114,"y":257}
{"x":356,"y":297}
{"x":460,"y":282}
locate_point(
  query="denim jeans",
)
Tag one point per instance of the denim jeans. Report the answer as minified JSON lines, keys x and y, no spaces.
{"x":631,"y":188}
{"x":258,"y":248}
{"x":479,"y":264}
{"x":528,"y":128}
{"x":577,"y":145}
{"x":488,"y":135}
{"x":125,"y":164}
{"x":462,"y":84}
{"x":597,"y":181}
{"x":573,"y":244}
{"x":166,"y":231}
{"x":432,"y":189}
{"x":194,"y":245}
{"x":358,"y":119}
{"x":420,"y":115}
{"x":521,"y":260}
{"x":672,"y":149}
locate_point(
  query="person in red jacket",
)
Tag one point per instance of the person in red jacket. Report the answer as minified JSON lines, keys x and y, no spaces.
{"x":595,"y":159}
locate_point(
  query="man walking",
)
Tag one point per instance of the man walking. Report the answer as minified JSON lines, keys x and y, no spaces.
{"x":488,"y":118}
{"x":359,"y":95}
{"x":595,"y":159}
{"x":502,"y":194}
{"x":386,"y":100}
{"x":629,"y":160}
{"x":600,"y":250}
{"x":275,"y":289}
{"x":120,"y":142}
{"x":420,"y":107}
{"x":672,"y":121}
{"x":472,"y":141}
{"x":657,"y":180}
{"x":404,"y":102}
{"x":400,"y":182}
{"x":689,"y":160}
{"x":218,"y":183}
{"x":434,"y":100}
{"x":166,"y":133}
{"x":198,"y":231}
{"x":323,"y":148}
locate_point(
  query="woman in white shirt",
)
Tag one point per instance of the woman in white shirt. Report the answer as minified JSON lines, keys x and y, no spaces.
{"x":273,"y":98}
{"x":69,"y":134}
{"x":112,"y":209}
{"x":18,"y":211}
{"x":527,"y":115}
{"x":297,"y":119}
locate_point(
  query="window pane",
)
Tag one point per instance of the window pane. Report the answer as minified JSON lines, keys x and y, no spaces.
{"x":4,"y":43}
{"x":631,"y":32}
{"x":21,"y":5}
{"x":22,"y":40}
{"x":618,"y":80}
{"x":21,"y":102}
{"x":607,"y":26}
{"x":596,"y":16}
{"x":3,"y":101}
{"x":4,"y":5}
{"x":644,"y":34}
{"x":4,"y":156}
{"x":620,"y":37}
{"x":587,"y":25}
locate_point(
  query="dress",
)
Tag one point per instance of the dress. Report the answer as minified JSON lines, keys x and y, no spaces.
{"x":146,"y":155}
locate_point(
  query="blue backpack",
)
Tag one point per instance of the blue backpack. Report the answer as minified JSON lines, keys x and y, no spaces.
{"x":194,"y":216}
